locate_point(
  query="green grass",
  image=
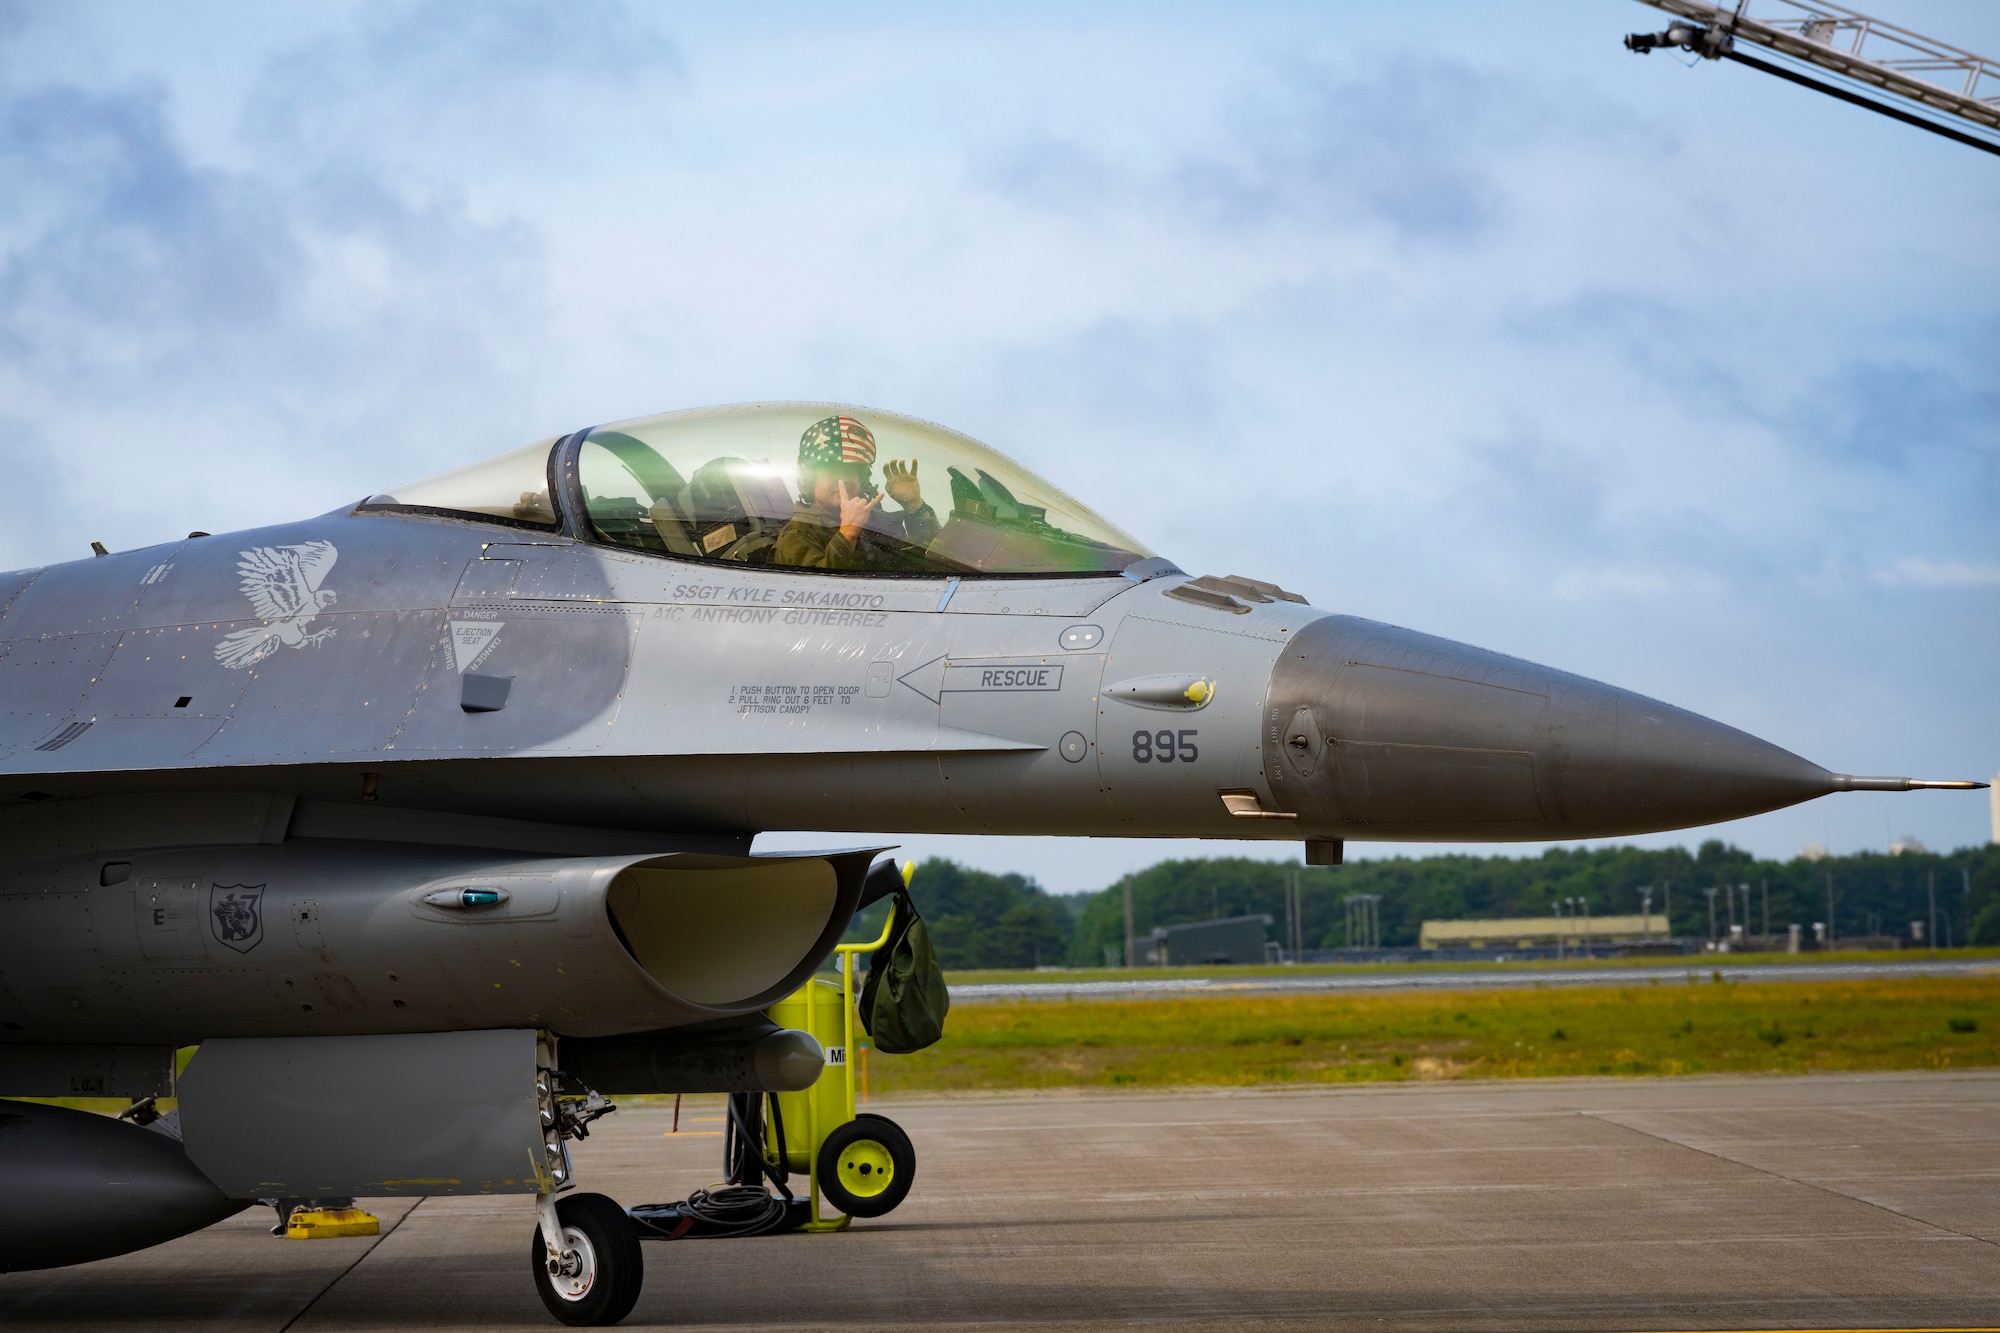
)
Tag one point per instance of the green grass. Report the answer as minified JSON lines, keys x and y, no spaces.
{"x":1682,"y":962}
{"x":1665,"y":1026}
{"x":1662,"y":1027}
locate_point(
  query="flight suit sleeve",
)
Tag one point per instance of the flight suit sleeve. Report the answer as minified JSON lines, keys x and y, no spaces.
{"x":840,"y":553}
{"x":921,"y":527}
{"x":806,"y":545}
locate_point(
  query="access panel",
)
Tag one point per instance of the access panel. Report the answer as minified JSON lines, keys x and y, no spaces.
{"x":321,"y":1117}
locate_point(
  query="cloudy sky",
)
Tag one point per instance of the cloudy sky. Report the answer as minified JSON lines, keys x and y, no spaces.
{"x":1453,"y":315}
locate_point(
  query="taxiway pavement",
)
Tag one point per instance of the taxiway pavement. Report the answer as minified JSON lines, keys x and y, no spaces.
{"x":1804,"y":1201}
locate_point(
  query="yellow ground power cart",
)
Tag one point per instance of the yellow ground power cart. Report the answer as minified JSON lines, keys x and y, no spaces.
{"x":859,"y":1164}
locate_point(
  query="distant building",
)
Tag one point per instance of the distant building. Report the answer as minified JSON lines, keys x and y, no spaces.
{"x":1813,"y":852}
{"x":1542,"y":932}
{"x":1907,"y":843}
{"x":1230,"y":939}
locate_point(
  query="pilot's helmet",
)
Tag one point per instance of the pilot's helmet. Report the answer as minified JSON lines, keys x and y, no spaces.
{"x":836,"y":440}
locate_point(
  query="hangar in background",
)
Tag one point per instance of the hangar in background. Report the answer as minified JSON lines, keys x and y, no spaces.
{"x":1545,"y":932}
{"x":1230,"y":939}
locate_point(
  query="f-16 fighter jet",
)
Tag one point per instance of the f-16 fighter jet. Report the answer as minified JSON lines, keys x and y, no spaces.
{"x":429,"y":820}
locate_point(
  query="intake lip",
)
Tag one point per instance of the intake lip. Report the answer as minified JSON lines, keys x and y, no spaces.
{"x":1376,"y":732}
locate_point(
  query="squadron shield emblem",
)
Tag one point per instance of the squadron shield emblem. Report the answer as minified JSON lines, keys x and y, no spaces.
{"x":236,"y":915}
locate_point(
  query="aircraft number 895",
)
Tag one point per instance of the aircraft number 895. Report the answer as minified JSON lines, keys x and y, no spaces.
{"x":1163,"y":747}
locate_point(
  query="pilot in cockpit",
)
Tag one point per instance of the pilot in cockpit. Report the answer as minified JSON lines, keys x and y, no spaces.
{"x":839,"y":522}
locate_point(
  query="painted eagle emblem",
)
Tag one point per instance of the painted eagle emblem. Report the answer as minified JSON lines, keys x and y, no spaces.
{"x":282,"y":583}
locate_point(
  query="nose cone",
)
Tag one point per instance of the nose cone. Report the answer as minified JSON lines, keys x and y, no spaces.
{"x":1375,"y":732}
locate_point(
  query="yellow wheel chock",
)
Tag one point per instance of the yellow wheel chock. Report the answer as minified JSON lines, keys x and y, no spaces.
{"x":321,"y":1223}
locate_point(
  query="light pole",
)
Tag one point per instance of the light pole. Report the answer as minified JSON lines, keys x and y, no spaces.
{"x":1710,"y":891}
{"x":1646,"y":911}
{"x":1129,"y":941}
{"x":1291,"y":934}
{"x":1298,"y":918}
{"x":1363,"y":919}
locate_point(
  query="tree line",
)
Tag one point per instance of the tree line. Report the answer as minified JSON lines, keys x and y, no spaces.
{"x":982,"y":920}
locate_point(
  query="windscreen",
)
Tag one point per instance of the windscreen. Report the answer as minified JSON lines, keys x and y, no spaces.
{"x":512,"y":488}
{"x":818,"y":486}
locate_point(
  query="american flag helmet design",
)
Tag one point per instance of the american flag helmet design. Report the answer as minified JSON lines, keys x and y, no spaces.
{"x":837,"y":440}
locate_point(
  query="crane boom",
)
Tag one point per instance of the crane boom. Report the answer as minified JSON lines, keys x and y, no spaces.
{"x":1880,"y":57}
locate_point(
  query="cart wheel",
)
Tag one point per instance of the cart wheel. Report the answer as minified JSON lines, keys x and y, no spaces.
{"x":866,"y":1166}
{"x":601,"y":1283}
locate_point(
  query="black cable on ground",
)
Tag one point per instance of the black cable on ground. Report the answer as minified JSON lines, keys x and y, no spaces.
{"x":742,"y":1206}
{"x":719,"y":1211}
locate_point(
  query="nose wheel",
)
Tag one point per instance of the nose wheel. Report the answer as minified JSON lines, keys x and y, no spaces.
{"x":866,"y":1166}
{"x":592,"y":1276}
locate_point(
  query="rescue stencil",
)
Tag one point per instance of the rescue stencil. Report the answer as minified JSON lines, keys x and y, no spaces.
{"x":1002,"y":677}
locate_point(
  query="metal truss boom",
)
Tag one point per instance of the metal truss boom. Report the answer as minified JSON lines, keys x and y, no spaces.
{"x":1880,"y":57}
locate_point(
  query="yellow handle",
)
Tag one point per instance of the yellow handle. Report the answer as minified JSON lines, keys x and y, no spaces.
{"x":909,"y":869}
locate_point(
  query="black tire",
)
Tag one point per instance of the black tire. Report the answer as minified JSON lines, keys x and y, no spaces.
{"x":614,"y":1267}
{"x":866,"y":1166}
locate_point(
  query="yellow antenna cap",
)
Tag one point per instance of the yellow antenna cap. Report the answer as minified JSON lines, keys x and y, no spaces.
{"x":1199,"y":692}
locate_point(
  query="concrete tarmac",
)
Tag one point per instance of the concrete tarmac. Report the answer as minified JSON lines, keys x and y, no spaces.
{"x":1815,"y":1202}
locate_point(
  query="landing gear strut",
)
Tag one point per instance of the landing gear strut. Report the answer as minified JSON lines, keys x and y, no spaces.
{"x":588,"y":1268}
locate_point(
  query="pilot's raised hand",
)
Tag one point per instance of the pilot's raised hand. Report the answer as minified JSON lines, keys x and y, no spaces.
{"x":854,"y":512}
{"x":900,"y":480}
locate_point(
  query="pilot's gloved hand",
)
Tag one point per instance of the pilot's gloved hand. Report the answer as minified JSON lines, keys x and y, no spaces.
{"x":900,"y":480}
{"x":854,"y":513}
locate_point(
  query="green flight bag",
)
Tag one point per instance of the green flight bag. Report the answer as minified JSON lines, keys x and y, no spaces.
{"x":904,"y":1001}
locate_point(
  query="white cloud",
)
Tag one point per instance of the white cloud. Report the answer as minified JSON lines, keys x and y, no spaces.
{"x":1917,"y":572}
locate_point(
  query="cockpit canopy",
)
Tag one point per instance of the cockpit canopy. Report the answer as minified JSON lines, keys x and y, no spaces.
{"x":764,"y":484}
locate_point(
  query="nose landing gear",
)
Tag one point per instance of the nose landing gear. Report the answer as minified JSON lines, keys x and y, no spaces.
{"x":588,"y":1268}
{"x":591,"y":1275}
